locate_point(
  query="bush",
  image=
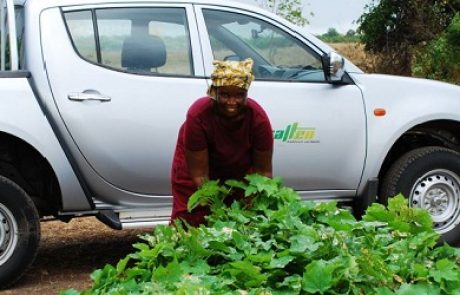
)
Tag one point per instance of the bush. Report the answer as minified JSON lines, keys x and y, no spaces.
{"x":396,"y":30}
{"x":271,"y":242}
{"x":453,"y":32}
{"x":440,"y":59}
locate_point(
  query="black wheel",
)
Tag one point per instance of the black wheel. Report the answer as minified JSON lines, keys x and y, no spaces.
{"x":430,"y":178}
{"x":19,"y":232}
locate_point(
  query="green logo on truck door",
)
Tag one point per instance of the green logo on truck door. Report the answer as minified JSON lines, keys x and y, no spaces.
{"x":293,"y":133}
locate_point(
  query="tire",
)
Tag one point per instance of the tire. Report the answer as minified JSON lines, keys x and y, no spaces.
{"x":19,"y":232}
{"x":430,"y":178}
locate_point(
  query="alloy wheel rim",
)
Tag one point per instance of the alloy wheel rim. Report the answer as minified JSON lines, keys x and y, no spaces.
{"x":8,"y":234}
{"x":438,"y":192}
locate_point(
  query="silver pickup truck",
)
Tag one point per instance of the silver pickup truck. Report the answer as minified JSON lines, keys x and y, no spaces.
{"x":92,"y":94}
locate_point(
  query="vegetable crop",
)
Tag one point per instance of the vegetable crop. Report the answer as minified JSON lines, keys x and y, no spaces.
{"x":271,"y":242}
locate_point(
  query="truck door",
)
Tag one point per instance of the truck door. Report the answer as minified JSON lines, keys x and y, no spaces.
{"x":319,"y":129}
{"x":123,"y":79}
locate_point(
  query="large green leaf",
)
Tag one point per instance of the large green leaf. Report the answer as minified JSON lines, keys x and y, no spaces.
{"x":418,"y":289}
{"x":445,"y":270}
{"x":170,"y":274}
{"x":246,"y":274}
{"x":281,"y":262}
{"x":318,"y":277}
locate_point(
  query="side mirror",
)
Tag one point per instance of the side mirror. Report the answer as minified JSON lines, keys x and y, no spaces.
{"x":334,"y":67}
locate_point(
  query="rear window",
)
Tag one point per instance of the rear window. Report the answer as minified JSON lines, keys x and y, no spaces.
{"x":138,"y":40}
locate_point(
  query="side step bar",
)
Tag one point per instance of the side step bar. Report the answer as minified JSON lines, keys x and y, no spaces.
{"x":132,"y":219}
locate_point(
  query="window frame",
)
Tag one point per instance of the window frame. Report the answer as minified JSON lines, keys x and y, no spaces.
{"x":69,"y":35}
{"x":194,"y":57}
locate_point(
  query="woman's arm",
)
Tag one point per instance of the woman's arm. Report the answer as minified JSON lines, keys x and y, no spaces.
{"x":198,"y":165}
{"x":263,"y":162}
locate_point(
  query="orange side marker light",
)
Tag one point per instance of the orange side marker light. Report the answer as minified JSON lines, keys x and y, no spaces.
{"x":380,"y":112}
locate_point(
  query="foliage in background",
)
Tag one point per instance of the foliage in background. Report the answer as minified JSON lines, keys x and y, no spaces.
{"x":396,"y":30}
{"x":291,"y":10}
{"x":358,"y":56}
{"x":333,"y":36}
{"x":271,"y":242}
{"x":440,"y":59}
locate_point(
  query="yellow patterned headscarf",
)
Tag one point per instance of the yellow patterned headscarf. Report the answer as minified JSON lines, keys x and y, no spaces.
{"x":231,"y":73}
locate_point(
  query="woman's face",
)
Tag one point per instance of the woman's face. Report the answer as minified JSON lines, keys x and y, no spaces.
{"x":231,"y":100}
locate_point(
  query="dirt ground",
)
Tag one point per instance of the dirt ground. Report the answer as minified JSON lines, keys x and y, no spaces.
{"x":69,"y":252}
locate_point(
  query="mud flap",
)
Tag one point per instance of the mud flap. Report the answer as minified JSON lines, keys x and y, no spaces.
{"x":368,"y":197}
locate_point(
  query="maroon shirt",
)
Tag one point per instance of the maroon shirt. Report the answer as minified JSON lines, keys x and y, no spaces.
{"x":230,"y":151}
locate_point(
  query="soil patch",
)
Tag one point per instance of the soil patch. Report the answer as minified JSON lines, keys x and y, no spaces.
{"x":69,"y":252}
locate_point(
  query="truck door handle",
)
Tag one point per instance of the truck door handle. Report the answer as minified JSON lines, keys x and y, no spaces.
{"x":88,"y":95}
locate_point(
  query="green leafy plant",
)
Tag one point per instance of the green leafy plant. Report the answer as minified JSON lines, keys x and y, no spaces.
{"x":272,"y":242}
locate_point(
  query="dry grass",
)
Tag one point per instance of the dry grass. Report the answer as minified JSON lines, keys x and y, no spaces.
{"x":356,"y":54}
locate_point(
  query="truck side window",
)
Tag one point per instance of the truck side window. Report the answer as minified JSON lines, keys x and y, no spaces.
{"x":80,"y":25}
{"x":277,"y":55}
{"x":139,"y":40}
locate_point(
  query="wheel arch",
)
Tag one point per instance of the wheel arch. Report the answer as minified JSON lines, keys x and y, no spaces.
{"x":443,"y":133}
{"x":27,"y":167}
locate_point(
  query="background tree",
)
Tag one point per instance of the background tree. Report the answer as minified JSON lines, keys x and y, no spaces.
{"x":291,"y":10}
{"x":350,"y":33}
{"x":333,"y":36}
{"x":440,"y":59}
{"x":395,"y":30}
{"x":331,"y":33}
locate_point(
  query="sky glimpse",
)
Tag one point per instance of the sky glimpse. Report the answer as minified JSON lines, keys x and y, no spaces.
{"x":339,"y":14}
